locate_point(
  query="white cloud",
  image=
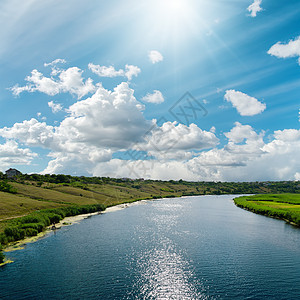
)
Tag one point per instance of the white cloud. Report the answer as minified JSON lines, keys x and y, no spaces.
{"x":254,"y":8}
{"x":245,"y":105}
{"x":157,"y":97}
{"x":131,"y":71}
{"x":245,"y":158}
{"x":69,"y":80}
{"x":79,"y":163}
{"x":39,"y":115}
{"x":79,"y":147}
{"x":53,"y":65}
{"x":55,"y":107}
{"x":32,"y":133}
{"x":173,"y":137}
{"x":11,"y":154}
{"x":292,"y":49}
{"x":55,"y":62}
{"x":241,"y":132}
{"x":107,"y":120}
{"x":155,"y":56}
{"x":103,"y":71}
{"x":111,"y":121}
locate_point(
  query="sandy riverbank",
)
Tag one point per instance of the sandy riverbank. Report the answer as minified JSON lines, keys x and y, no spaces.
{"x":65,"y":222}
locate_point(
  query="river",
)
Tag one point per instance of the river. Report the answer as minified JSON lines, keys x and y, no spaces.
{"x":201,"y":247}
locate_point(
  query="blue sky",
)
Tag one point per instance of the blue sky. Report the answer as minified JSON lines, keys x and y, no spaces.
{"x":86,"y":84}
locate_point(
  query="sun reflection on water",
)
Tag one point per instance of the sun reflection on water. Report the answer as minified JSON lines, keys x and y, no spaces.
{"x":165,"y":274}
{"x":163,"y":269}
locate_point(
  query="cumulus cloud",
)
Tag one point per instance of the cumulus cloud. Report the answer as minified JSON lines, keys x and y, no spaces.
{"x":174,"y":150}
{"x":112,"y":121}
{"x":11,"y":154}
{"x":245,"y":105}
{"x":107,"y":120}
{"x":32,"y":133}
{"x":240,"y":132}
{"x":246,"y":157}
{"x":156,"y":97}
{"x":69,"y":80}
{"x":291,"y":49}
{"x":55,"y":107}
{"x":155,"y":56}
{"x":130,"y":71}
{"x":174,"y":137}
{"x":80,"y":163}
{"x":254,"y":8}
{"x":104,"y":71}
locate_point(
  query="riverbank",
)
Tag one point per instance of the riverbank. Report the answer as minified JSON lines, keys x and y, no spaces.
{"x":285,"y":207}
{"x":67,"y":221}
{"x":19,"y":245}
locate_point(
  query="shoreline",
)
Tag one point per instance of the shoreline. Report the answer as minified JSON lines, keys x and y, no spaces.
{"x":272,"y":217}
{"x":67,"y":221}
{"x":264,"y":213}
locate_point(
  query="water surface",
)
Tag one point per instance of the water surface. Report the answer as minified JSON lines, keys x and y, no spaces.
{"x":185,"y":248}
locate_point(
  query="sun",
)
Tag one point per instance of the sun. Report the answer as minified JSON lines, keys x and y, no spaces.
{"x":173,"y":8}
{"x":170,"y":21}
{"x":173,"y":5}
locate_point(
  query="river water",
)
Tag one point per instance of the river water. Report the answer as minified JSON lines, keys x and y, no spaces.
{"x":200,"y":247}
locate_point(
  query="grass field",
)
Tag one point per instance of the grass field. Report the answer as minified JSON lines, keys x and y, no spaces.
{"x":282,"y":206}
{"x":31,"y":197}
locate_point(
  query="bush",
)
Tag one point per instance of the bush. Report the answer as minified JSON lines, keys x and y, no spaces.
{"x":31,"y":232}
{"x":5,"y":187}
{"x":36,"y":226}
{"x":14,"y":233}
{"x":3,"y":239}
{"x":36,"y":222}
{"x":1,"y":257}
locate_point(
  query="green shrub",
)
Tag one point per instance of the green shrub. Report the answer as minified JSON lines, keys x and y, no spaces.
{"x":1,"y":257}
{"x":3,"y":239}
{"x":31,"y":232}
{"x":36,"y":222}
{"x":5,"y":187}
{"x":36,"y":226}
{"x":14,"y":233}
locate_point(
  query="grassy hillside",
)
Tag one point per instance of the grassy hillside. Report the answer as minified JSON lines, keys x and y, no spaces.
{"x":12,"y":206}
{"x":282,"y":206}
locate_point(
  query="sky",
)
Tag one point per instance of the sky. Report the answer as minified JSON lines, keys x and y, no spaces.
{"x":198,"y":90}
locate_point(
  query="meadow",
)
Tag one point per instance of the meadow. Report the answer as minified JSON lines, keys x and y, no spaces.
{"x":281,"y":206}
